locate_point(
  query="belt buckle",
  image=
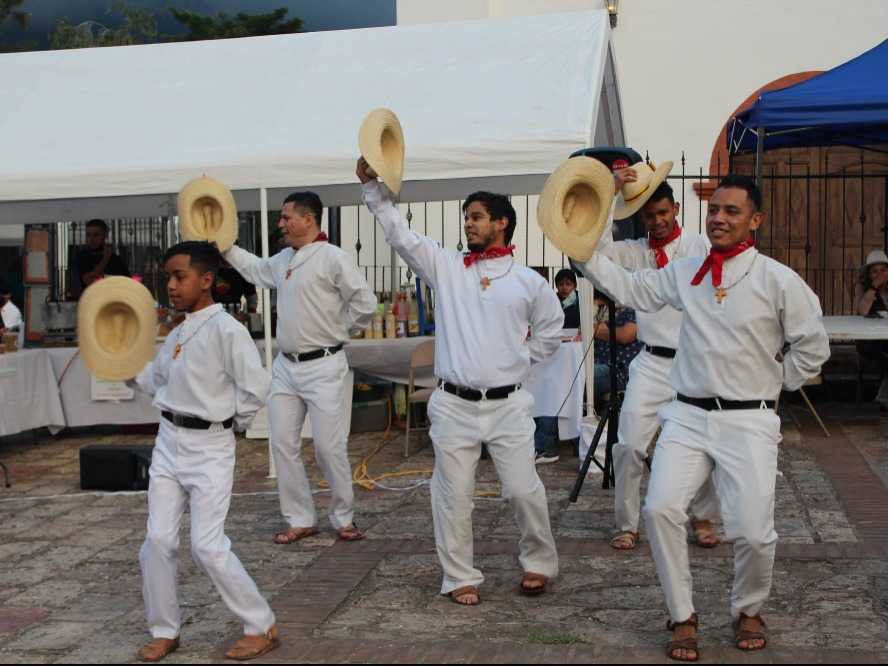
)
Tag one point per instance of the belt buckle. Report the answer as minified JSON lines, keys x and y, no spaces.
{"x":178,"y":420}
{"x":327,"y":352}
{"x":483,"y":394}
{"x":719,"y":405}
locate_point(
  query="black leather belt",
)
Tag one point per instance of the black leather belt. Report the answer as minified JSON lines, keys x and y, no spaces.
{"x":498,"y":393}
{"x":665,"y":352}
{"x":715,"y":404}
{"x":193,"y":422}
{"x":312,"y":355}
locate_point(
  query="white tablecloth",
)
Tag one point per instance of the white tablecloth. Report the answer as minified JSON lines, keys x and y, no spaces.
{"x":549,"y":383}
{"x":852,"y":329}
{"x":29,"y":397}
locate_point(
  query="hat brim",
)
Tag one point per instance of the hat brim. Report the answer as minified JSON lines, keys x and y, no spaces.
{"x":132,"y":298}
{"x":624,"y":209}
{"x":577,"y":238}
{"x":381,"y":142}
{"x":189,"y":227}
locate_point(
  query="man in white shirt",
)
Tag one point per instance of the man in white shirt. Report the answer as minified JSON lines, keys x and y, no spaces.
{"x":206,"y":379}
{"x":740,"y":309}
{"x":10,"y":316}
{"x":485,"y":305}
{"x":322,"y":299}
{"x":648,"y":389}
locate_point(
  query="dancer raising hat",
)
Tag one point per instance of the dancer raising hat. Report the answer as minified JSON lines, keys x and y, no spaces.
{"x":741,"y":309}
{"x":322,"y":300}
{"x":485,"y":304}
{"x":649,"y":389}
{"x":206,"y":379}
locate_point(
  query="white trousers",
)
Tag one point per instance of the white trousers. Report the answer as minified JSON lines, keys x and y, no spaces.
{"x":647,"y":392}
{"x":506,"y":427}
{"x":738,"y":448}
{"x":315,"y":388}
{"x":194,"y":467}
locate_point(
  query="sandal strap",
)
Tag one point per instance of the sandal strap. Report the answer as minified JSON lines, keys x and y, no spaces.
{"x":685,"y":644}
{"x":465,"y":591}
{"x":692,"y":621}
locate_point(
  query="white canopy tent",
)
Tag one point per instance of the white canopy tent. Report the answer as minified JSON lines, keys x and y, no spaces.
{"x":117,"y":131}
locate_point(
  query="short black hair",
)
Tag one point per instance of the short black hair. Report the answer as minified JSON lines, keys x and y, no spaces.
{"x":566,"y":274}
{"x":309,"y":201}
{"x":4,"y":288}
{"x":746,"y":184}
{"x":663,"y":191}
{"x":96,"y":222}
{"x":202,"y":255}
{"x":498,"y":207}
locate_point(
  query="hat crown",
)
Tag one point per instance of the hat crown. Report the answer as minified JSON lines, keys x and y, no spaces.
{"x":876,"y":257}
{"x":645,"y":174}
{"x":381,"y":142}
{"x":207,"y":211}
{"x":117,"y":327}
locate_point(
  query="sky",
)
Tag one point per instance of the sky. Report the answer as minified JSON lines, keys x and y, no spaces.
{"x":317,"y":14}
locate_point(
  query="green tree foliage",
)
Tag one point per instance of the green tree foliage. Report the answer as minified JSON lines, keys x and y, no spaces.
{"x":9,"y":11}
{"x":223,"y":26}
{"x":138,"y":27}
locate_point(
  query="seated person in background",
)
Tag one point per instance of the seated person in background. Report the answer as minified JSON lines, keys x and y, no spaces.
{"x":97,"y":259}
{"x":11,"y":320}
{"x":230,"y":287}
{"x":627,"y":347}
{"x":871,"y":298}
{"x":545,"y":436}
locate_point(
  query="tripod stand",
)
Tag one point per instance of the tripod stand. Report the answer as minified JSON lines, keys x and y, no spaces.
{"x":610,"y":419}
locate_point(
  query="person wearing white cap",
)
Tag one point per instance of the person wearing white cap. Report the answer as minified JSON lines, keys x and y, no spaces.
{"x":206,"y":379}
{"x":644,"y":188}
{"x":871,"y":300}
{"x":322,"y":299}
{"x":741,"y":310}
{"x":11,"y":320}
{"x":485,"y":305}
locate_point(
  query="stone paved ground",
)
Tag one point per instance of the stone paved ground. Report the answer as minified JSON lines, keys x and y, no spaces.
{"x":70,"y":589}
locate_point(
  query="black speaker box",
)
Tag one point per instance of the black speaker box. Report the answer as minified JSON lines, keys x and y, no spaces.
{"x":114,"y":468}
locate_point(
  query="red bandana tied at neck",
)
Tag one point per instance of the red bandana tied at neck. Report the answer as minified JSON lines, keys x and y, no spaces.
{"x":716,"y":261}
{"x":321,"y":237}
{"x":658,"y":245}
{"x":493,"y":253}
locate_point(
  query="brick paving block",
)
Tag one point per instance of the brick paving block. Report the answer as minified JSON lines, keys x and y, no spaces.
{"x":13,"y":620}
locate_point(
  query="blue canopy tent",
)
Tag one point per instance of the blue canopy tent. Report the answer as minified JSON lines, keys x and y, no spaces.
{"x":846,"y":106}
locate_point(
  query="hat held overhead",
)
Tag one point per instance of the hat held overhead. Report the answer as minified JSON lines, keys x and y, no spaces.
{"x":207,"y":212}
{"x":574,"y":206}
{"x":116,"y":326}
{"x":381,"y":142}
{"x":634,"y":195}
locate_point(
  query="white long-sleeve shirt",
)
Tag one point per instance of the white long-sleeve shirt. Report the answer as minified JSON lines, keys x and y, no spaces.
{"x":658,"y":329}
{"x":217,"y":375}
{"x":12,"y":318}
{"x":729,"y":350}
{"x":322,"y":303}
{"x":480,"y":334}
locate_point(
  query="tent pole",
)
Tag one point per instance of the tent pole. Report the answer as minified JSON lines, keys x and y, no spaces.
{"x":759,"y":156}
{"x":266,"y":308}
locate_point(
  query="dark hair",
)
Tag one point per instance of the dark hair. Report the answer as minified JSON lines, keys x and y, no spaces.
{"x":566,"y":274}
{"x":98,"y":223}
{"x":308,"y":201}
{"x":663,"y":191}
{"x":203,"y":255}
{"x":746,"y":184}
{"x":4,"y":288}
{"x":498,"y":207}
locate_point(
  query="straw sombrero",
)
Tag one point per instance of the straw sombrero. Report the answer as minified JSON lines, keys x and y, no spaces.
{"x":574,"y":206}
{"x":116,"y":328}
{"x":207,"y":212}
{"x":381,"y":142}
{"x":635,"y":195}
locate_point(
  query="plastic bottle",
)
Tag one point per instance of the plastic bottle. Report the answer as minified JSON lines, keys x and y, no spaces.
{"x":413,"y":317}
{"x":391,"y":325}
{"x":402,"y":315}
{"x":378,"y":327}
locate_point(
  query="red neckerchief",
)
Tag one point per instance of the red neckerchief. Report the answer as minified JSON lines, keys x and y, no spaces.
{"x":658,"y":245}
{"x":320,"y":237}
{"x":493,"y":253}
{"x":716,"y":261}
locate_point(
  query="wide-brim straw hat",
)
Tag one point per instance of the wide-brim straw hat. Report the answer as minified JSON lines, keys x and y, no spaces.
{"x":116,"y":328}
{"x":635,"y":195}
{"x":575,"y":204}
{"x":381,"y":141}
{"x":207,"y":212}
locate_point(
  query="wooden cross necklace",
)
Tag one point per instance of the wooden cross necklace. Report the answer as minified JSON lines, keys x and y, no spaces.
{"x":486,"y":281}
{"x":291,"y":267}
{"x":721,"y":293}
{"x":179,"y":345}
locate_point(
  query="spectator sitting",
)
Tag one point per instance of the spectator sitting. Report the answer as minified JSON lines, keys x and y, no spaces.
{"x":566,"y":285}
{"x":97,"y":259}
{"x":871,"y":298}
{"x":11,"y":320}
{"x":627,"y":347}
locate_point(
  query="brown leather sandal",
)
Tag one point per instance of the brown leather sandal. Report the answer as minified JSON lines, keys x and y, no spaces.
{"x":705,"y":535}
{"x":533,"y":590}
{"x":747,"y":635}
{"x":624,"y":537}
{"x":351,"y":533}
{"x":294,"y":534}
{"x":158,"y":649}
{"x":462,"y":592}
{"x":250,"y":647}
{"x":688,"y":644}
